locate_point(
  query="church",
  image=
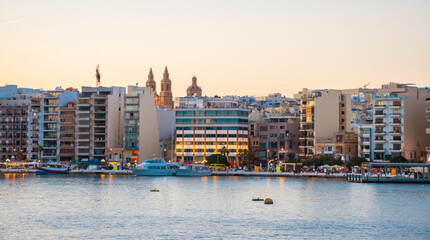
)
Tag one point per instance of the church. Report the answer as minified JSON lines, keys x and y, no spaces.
{"x":165,"y":98}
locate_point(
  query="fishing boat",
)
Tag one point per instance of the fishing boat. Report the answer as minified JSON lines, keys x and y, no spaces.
{"x":51,"y":168}
{"x":154,"y":167}
{"x":193,"y":171}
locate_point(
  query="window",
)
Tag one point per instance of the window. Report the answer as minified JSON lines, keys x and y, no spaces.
{"x":272,"y":127}
{"x":273,"y":135}
{"x":263,"y":136}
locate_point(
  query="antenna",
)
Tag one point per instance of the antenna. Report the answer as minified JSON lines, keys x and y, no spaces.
{"x":98,"y":75}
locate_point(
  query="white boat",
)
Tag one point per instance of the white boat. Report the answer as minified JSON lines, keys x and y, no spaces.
{"x":154,"y":167}
{"x":193,"y":171}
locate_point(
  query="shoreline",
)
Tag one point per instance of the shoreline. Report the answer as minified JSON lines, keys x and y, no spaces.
{"x":215,"y":173}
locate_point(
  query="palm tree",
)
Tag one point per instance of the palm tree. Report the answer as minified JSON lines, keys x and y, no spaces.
{"x":40,"y":150}
{"x":248,"y":155}
{"x":224,"y":151}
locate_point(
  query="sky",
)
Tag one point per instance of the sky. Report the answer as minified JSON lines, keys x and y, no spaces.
{"x":241,"y":47}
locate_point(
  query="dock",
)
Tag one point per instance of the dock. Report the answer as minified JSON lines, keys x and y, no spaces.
{"x":391,"y":173}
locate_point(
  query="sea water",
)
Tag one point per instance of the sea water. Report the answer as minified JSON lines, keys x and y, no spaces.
{"x":122,"y":207}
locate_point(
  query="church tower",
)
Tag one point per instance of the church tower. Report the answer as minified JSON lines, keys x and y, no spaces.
{"x":151,"y":83}
{"x":194,"y":89}
{"x":166,"y":99}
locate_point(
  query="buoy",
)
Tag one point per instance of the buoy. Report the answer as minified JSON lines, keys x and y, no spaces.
{"x":268,"y":201}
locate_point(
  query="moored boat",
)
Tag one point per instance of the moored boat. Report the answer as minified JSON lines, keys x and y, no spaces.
{"x":193,"y":171}
{"x":154,"y":167}
{"x":51,"y":168}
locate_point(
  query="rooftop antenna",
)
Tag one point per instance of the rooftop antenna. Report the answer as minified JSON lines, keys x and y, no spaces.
{"x":98,"y":75}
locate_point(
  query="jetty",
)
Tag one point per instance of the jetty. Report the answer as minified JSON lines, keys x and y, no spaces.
{"x":378,"y":172}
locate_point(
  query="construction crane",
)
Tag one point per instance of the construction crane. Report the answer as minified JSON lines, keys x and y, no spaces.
{"x":366,"y":85}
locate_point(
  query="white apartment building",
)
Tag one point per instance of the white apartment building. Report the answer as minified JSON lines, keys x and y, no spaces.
{"x":99,"y":122}
{"x":141,"y":133}
{"x":384,"y":138}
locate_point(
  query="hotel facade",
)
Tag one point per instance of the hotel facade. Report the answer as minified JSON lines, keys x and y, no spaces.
{"x":205,"y":125}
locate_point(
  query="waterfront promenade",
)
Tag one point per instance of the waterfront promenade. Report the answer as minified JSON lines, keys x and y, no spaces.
{"x":214,"y":173}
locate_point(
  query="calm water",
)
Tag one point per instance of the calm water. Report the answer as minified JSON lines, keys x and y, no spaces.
{"x":121,"y":207}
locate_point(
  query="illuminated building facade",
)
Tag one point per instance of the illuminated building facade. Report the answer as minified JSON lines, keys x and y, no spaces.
{"x":205,"y":125}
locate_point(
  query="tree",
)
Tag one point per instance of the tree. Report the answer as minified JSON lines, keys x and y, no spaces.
{"x":224,"y":151}
{"x":217,"y":159}
{"x":399,"y":159}
{"x":355,"y":161}
{"x":19,"y":156}
{"x":248,"y":156}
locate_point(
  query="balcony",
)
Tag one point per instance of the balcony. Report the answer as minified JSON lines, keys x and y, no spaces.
{"x":396,"y":133}
{"x":379,"y":106}
{"x":379,"y":123}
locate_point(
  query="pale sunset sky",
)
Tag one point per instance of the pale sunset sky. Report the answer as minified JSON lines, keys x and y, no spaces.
{"x":241,"y":47}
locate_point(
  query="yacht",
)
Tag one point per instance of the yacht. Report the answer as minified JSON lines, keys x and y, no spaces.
{"x":193,"y":171}
{"x":154,"y":167}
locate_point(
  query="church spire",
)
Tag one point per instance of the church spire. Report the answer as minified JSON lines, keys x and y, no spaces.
{"x":166,"y":74}
{"x":151,"y":83}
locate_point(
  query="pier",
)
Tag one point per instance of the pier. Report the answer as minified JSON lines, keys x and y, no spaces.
{"x":375,"y":172}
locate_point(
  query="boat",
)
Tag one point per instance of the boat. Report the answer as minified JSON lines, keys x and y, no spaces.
{"x":257,"y":199}
{"x":51,"y":168}
{"x":154,"y":167}
{"x":193,"y":171}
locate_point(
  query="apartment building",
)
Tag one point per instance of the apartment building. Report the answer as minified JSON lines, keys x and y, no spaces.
{"x":323,"y":112}
{"x":13,"y":132}
{"x":67,"y":132}
{"x":141,"y":134}
{"x":397,"y":124}
{"x":44,"y":125}
{"x":279,"y":138}
{"x":428,"y":125}
{"x":99,"y":122}
{"x":205,"y":125}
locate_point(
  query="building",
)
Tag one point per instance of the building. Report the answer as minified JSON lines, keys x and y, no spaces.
{"x":413,"y":119}
{"x":44,"y":125}
{"x":67,"y":132}
{"x":166,"y":126}
{"x":279,"y":138}
{"x":343,"y":145}
{"x":165,"y":98}
{"x":99,"y":122}
{"x":142,"y":137}
{"x":14,"y":132}
{"x":428,"y":127}
{"x":323,"y":112}
{"x":397,"y":124}
{"x":194,"y":89}
{"x":205,"y":125}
